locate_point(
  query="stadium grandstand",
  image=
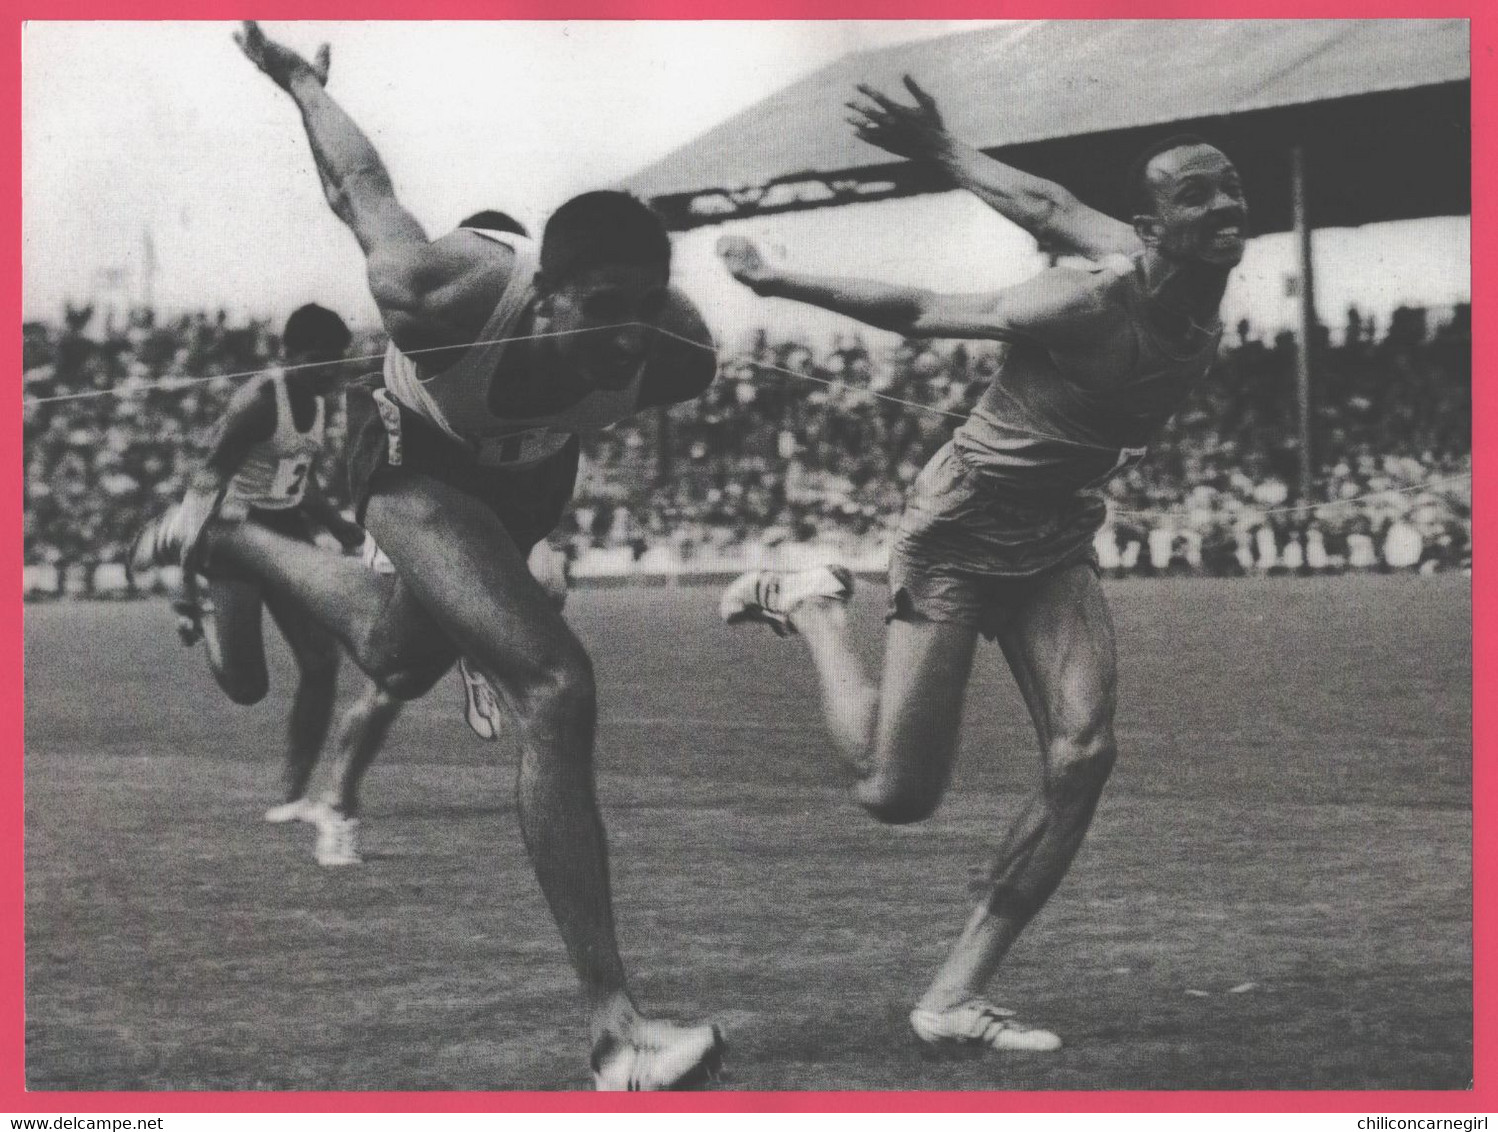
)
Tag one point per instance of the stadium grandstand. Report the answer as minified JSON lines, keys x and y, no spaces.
{"x":760,"y":463}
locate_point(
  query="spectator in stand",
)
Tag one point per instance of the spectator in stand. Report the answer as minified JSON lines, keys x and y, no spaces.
{"x":1392,"y":414}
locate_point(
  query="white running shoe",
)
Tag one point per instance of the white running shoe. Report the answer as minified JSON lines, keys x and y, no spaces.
{"x":657,"y":1055}
{"x":337,"y":837}
{"x":172,"y":538}
{"x":771,"y":595}
{"x":301,"y":809}
{"x":374,"y":558}
{"x":979,"y":1022}
{"x":481,"y":703}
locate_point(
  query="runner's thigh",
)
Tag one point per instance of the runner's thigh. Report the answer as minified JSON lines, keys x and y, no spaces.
{"x":455,"y":556}
{"x":926,"y":670}
{"x":1060,"y":647}
{"x":311,"y":644}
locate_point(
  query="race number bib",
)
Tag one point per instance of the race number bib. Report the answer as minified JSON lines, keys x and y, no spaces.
{"x":291,"y":478}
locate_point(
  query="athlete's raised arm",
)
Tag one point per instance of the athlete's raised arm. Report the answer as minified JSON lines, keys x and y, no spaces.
{"x":423,"y":288}
{"x":1043,"y":208}
{"x":1058,"y":307}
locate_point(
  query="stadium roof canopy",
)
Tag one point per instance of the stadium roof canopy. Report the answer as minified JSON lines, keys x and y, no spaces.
{"x":1382,"y":109}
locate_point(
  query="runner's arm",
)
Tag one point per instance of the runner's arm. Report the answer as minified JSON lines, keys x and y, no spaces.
{"x":1057,"y":307}
{"x":414,"y":281}
{"x":249,"y":420}
{"x":1049,"y":212}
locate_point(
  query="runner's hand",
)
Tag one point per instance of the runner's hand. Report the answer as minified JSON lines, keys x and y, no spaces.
{"x":915,"y":132}
{"x":321,"y":63}
{"x":280,"y":63}
{"x":744,"y":262}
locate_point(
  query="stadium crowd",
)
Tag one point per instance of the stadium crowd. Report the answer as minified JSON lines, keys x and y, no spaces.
{"x":802,"y":445}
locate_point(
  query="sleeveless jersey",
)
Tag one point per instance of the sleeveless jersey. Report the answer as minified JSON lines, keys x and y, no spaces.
{"x":1038,"y":431}
{"x":457,"y":400}
{"x":273,"y":476}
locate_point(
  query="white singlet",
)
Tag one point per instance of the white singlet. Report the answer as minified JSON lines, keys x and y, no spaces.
{"x":273,"y":476}
{"x":456,"y":400}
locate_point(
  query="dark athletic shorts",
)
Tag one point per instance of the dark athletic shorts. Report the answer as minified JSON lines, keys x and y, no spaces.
{"x":528,"y":500}
{"x":970,"y":553}
{"x":288,"y":521}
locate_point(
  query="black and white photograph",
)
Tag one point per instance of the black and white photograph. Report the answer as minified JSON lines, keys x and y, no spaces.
{"x":892,"y":556}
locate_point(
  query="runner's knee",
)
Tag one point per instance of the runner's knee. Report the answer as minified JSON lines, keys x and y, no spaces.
{"x":397,"y":673}
{"x":558,"y":688}
{"x":1078,"y":765}
{"x":407,"y":682}
{"x":400,"y":669}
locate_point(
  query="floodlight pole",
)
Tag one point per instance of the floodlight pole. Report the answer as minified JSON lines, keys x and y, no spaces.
{"x":1305,"y":340}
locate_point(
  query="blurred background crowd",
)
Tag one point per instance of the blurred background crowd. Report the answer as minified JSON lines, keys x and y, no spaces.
{"x":813,"y":444}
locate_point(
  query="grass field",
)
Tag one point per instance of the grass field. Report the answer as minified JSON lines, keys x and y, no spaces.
{"x":1291,"y":814}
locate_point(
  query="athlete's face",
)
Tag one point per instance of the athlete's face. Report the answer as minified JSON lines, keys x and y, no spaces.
{"x":603,"y":315}
{"x":1200,"y":213}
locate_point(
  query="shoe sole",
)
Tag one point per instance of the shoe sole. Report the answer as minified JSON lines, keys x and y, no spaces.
{"x":782,"y":626}
{"x":305,"y":814}
{"x":479,"y":723}
{"x":482,"y":728}
{"x":709,"y":1068}
{"x":745,"y":616}
{"x":965,"y":1049}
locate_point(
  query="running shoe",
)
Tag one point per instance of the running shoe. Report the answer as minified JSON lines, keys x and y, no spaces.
{"x":978,"y":1022}
{"x":373,"y":557}
{"x":770,"y":596}
{"x":657,"y":1055}
{"x":481,"y":703}
{"x":173,"y":537}
{"x":300,"y":809}
{"x":190,"y":611}
{"x":337,"y":837}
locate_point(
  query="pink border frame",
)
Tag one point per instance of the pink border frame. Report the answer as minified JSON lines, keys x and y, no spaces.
{"x":1484,"y":1095}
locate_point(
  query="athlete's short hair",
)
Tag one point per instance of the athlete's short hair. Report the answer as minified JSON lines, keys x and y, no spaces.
{"x":312,"y":329}
{"x":598,"y":228}
{"x":493,"y":220}
{"x":1138,"y":193}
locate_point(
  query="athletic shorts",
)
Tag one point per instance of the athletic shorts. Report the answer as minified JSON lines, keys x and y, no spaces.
{"x":289,"y":521}
{"x":970,"y":552}
{"x":528,"y":500}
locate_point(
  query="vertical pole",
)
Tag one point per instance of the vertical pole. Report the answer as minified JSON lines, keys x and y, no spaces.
{"x":148,"y":269}
{"x":1306,"y":338}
